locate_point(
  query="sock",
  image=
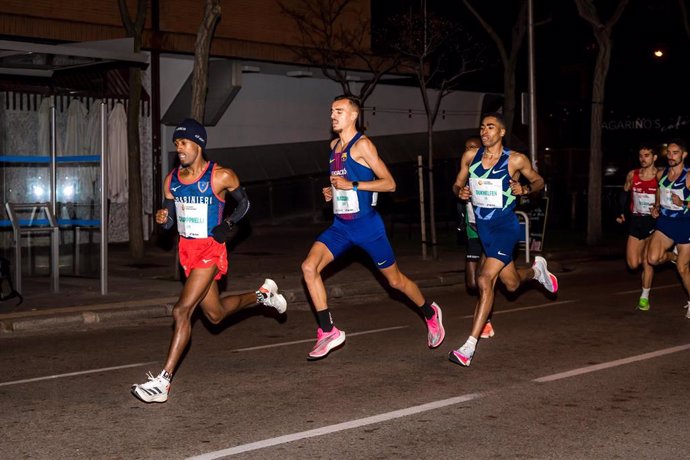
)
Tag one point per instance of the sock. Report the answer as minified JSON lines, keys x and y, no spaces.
{"x":645,"y":293}
{"x":427,"y":310}
{"x":471,"y":344}
{"x":261,"y":297}
{"x":166,"y":375}
{"x":325,"y":320}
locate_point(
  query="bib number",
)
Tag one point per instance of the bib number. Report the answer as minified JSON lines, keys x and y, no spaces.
{"x":345,"y":201}
{"x":667,"y":202}
{"x":487,"y":193}
{"x":192,"y":219}
{"x":643,"y":202}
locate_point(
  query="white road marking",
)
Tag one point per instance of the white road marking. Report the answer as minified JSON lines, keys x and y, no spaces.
{"x":357,"y":423}
{"x":72,"y":374}
{"x":610,"y":364}
{"x":285,"y":344}
{"x":654,"y":288}
{"x":531,"y":307}
{"x":388,"y":416}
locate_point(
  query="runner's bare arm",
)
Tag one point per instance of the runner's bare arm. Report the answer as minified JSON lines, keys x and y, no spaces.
{"x":165,"y":215}
{"x":460,"y":188}
{"x":519,"y":163}
{"x":628,"y":181}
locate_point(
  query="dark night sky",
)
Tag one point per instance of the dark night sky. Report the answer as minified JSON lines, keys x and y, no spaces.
{"x":638,"y":84}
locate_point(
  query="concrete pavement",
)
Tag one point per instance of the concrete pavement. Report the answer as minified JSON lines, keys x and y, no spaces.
{"x":149,"y":288}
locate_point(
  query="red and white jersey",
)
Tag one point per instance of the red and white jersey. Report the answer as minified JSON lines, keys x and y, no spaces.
{"x":642,"y":194}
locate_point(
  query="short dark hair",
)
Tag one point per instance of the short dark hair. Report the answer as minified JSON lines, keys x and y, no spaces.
{"x":649,"y":146}
{"x":498,"y":116}
{"x":354,"y":101}
{"x":680,"y":143}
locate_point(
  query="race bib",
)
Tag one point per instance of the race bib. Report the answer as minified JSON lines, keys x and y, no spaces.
{"x":667,"y":202}
{"x":192,"y":219}
{"x":345,"y":201}
{"x":487,"y":193}
{"x":643,"y":202}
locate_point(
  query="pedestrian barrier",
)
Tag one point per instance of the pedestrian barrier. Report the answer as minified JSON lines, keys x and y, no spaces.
{"x":31,"y":226}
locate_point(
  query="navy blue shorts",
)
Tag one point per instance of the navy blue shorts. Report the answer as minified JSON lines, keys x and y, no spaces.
{"x":678,"y":229}
{"x":499,"y":236}
{"x":366,"y":232}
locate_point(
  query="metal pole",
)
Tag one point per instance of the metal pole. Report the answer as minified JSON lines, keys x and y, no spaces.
{"x":104,"y":205}
{"x":422,"y":222}
{"x":53,"y":157}
{"x":532,"y":84}
{"x":54,"y":235}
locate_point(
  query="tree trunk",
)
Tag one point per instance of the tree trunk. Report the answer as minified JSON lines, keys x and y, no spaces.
{"x":202,"y":49}
{"x":594,"y":232}
{"x":135,"y":207}
{"x":432,"y":203}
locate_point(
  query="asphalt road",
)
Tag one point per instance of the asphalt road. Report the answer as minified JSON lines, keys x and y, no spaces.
{"x":580,"y":375}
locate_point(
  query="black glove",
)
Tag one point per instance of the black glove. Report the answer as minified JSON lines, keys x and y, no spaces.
{"x":223,"y":231}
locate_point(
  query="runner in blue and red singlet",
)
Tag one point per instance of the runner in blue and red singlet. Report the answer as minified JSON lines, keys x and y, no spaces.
{"x":357,"y":175}
{"x":194,"y":199}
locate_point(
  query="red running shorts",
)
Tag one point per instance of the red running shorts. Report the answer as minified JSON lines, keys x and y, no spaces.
{"x":203,"y":253}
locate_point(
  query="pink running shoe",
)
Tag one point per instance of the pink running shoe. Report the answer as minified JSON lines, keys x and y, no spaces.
{"x":488,"y":331}
{"x":325,"y":342}
{"x":461,"y":356}
{"x":436,"y":332}
{"x":545,"y":277}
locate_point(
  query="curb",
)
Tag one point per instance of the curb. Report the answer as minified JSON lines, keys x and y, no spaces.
{"x":154,"y":308}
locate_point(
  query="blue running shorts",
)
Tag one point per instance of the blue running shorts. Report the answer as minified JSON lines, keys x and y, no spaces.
{"x":678,"y":229}
{"x":499,"y":236}
{"x":366,"y":232}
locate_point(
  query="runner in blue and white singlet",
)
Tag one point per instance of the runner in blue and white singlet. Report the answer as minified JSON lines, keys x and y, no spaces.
{"x":673,"y":216}
{"x":494,"y":206}
{"x":489,"y":177}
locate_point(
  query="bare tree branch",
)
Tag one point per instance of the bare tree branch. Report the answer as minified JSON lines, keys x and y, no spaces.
{"x":602,"y":32}
{"x":335,"y":44}
{"x":508,"y":58}
{"x":135,"y":227}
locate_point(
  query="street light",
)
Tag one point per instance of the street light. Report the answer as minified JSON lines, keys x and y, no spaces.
{"x":658,"y":53}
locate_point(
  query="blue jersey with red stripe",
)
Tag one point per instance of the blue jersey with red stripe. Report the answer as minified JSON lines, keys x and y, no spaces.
{"x":341,"y":164}
{"x":196,"y":204}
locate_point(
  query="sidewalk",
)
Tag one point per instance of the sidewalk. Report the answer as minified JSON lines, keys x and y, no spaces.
{"x":149,"y":289}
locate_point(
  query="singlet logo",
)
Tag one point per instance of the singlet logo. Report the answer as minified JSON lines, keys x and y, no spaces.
{"x":339,"y":172}
{"x":203,"y":186}
{"x":343,"y":156}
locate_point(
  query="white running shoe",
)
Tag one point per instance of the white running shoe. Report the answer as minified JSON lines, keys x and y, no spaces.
{"x":545,"y":277}
{"x":268,"y":294}
{"x":155,"y":390}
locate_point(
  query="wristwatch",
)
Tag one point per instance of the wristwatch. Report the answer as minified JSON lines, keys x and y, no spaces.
{"x":355,"y":184}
